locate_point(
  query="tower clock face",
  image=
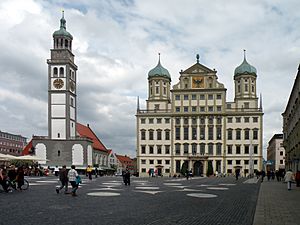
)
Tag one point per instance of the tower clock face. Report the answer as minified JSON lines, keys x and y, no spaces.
{"x":58,"y":83}
{"x":198,"y":82}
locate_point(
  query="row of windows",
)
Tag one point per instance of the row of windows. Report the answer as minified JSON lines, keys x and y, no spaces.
{"x":158,"y":149}
{"x":17,"y":145}
{"x":62,"y":43}
{"x":201,"y":109}
{"x":144,"y":170}
{"x":200,"y":97}
{"x":157,"y":90}
{"x":238,"y":149}
{"x":158,"y":161}
{"x":238,"y":162}
{"x":12,"y":137}
{"x":238,"y":134}
{"x":8,"y":150}
{"x":158,"y":135}
{"x":61,"y":72}
{"x":202,"y":120}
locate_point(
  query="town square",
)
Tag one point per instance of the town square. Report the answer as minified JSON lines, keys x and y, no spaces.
{"x":138,"y":112}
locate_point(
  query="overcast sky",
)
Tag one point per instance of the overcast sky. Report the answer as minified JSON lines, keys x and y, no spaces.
{"x":116,"y":43}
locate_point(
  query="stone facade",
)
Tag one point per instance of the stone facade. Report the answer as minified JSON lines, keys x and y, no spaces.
{"x":276,"y":152}
{"x":192,"y":127}
{"x":11,"y":143}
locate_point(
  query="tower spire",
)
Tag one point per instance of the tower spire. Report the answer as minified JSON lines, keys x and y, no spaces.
{"x":138,"y":103}
{"x":197,"y":57}
{"x":159,"y":58}
{"x":244,"y":54}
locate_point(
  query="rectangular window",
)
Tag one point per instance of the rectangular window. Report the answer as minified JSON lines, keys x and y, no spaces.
{"x":177,"y":97}
{"x":255,"y":134}
{"x":143,"y":170}
{"x":143,"y":161}
{"x":185,"y":109}
{"x":237,"y":119}
{"x":238,"y":134}
{"x":158,"y":120}
{"x":194,"y":97}
{"x":151,"y":121}
{"x":167,"y":149}
{"x":219,"y":149}
{"x":281,"y":161}
{"x":246,"y":105}
{"x":210,"y":133}
{"x":178,"y":166}
{"x":151,"y":151}
{"x":186,"y":133}
{"x":229,"y":120}
{"x":185,"y":97}
{"x":177,"y":121}
{"x":194,"y":133}
{"x":143,"y":149}
{"x":210,"y":108}
{"x":229,"y":162}
{"x":219,"y":96}
{"x":151,"y":134}
{"x":210,"y":97}
{"x":177,"y":109}
{"x":202,"y":97}
{"x":219,"y":133}
{"x":194,"y":108}
{"x":246,"y":134}
{"x":202,"y":133}
{"x":177,"y":133}
{"x":202,"y":109}
{"x":229,"y":134}
{"x":177,"y":149}
{"x":246,"y":162}
{"x":186,"y":121}
{"x":158,"y":134}
{"x":194,"y":120}
{"x":186,"y":148}
{"x":143,"y":135}
{"x":255,"y":119}
{"x":167,"y":120}
{"x":246,"y":119}
{"x":255,"y":149}
{"x":159,"y":149}
{"x":255,"y":162}
{"x":229,"y":149}
{"x":238,"y":162}
{"x":194,"y":149}
{"x":167,"y":162}
{"x":210,"y":149}
{"x":167,"y":134}
{"x":143,"y":121}
{"x":151,"y":161}
{"x":246,"y":149}
{"x":281,"y":152}
{"x":202,"y":149}
{"x":159,"y":161}
{"x":219,"y":108}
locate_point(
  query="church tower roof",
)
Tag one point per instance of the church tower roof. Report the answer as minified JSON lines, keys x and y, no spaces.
{"x":245,"y":68}
{"x":159,"y":71}
{"x":63,"y":30}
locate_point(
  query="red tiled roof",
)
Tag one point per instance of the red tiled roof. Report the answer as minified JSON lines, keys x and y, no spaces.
{"x":86,"y":131}
{"x":27,"y":148}
{"x":124,"y":159}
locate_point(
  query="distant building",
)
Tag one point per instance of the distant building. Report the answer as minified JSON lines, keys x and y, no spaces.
{"x":192,"y":126}
{"x":125,"y":162}
{"x":112,"y":161}
{"x":12,"y":144}
{"x":291,"y":127}
{"x":276,"y":153}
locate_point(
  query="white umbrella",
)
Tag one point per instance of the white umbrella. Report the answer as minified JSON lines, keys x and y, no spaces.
{"x":31,"y":157}
{"x":6,"y":157}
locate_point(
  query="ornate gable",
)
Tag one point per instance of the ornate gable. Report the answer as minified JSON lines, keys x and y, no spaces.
{"x":198,"y":68}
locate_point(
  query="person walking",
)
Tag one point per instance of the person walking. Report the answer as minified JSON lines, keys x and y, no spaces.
{"x":89,"y":171}
{"x":63,"y":177}
{"x":56,"y":171}
{"x":289,"y":177}
{"x":127,"y":177}
{"x":20,"y":177}
{"x":3,"y":178}
{"x":72,"y":175}
{"x":263,"y":174}
{"x":237,"y":174}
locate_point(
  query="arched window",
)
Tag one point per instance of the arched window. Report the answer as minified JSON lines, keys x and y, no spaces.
{"x":61,"y":71}
{"x":55,"y":72}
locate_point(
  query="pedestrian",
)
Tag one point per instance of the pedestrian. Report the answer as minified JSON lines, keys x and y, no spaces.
{"x":263,"y":174}
{"x":12,"y":173}
{"x":289,"y":177}
{"x":3,"y":179}
{"x":89,"y":171}
{"x":277,"y":175}
{"x":96,"y":172}
{"x":268,"y":175}
{"x":56,"y":171}
{"x":237,"y":174}
{"x":127,"y":177}
{"x":187,"y":174}
{"x":72,"y":175}
{"x":20,"y":177}
{"x":63,"y":178}
{"x":297,"y":178}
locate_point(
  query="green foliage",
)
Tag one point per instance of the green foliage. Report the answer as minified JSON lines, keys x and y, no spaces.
{"x":184,"y":168}
{"x":18,"y":163}
{"x":210,"y":170}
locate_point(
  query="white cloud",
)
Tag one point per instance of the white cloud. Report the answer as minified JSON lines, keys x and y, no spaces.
{"x":116,"y":44}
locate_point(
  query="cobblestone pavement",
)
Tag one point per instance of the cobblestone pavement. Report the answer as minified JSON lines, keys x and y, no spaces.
{"x":276,"y":205}
{"x":147,"y":201}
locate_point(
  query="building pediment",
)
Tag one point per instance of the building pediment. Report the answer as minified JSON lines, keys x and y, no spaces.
{"x":198,"y":68}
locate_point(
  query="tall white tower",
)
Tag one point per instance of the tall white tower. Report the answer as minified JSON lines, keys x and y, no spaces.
{"x":62,"y":114}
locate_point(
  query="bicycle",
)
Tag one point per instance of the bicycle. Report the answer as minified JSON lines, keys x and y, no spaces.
{"x":13,"y":185}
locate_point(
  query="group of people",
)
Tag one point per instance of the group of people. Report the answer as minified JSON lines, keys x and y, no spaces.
{"x":68,"y":176}
{"x":11,"y":174}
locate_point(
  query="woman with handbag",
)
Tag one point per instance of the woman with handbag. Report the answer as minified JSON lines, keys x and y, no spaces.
{"x":73,"y":176}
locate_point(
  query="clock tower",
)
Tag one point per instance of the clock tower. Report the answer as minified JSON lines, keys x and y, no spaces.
{"x":62,"y":113}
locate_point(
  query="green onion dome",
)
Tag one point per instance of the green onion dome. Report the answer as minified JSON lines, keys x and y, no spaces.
{"x":159,"y":71}
{"x":245,"y":68}
{"x":62,"y":31}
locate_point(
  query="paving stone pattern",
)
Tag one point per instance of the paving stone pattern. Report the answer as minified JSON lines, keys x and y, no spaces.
{"x":165,"y":202}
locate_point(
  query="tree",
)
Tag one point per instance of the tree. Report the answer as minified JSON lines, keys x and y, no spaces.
{"x":210,"y":170}
{"x":184,"y":168}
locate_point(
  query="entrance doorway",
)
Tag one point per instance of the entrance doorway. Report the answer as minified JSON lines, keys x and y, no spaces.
{"x":198,"y":168}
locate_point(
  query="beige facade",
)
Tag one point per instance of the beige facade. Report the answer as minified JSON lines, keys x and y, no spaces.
{"x":193,"y":127}
{"x":276,"y":153}
{"x":291,"y":127}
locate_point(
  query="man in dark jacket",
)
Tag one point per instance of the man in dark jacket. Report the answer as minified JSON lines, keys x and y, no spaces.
{"x":63,"y":177}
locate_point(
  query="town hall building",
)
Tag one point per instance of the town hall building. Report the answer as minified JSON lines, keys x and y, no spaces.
{"x":192,"y":127}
